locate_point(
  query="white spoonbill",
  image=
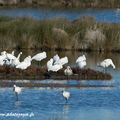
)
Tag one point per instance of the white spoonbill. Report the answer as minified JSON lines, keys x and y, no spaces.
{"x":55,"y":68}
{"x":106,"y":63}
{"x":81,"y":58}
{"x":62,"y":61}
{"x":68,"y":71}
{"x":16,"y":90}
{"x":2,"y":58}
{"x":10,"y":56}
{"x":66,"y":95}
{"x":40,"y":56}
{"x":3,"y":55}
{"x":50,"y":63}
{"x":24,"y":64}
{"x":15,"y":61}
{"x":56,"y":58}
{"x":81,"y":64}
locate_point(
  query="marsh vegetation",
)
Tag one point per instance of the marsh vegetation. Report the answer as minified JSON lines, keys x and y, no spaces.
{"x":64,"y":3}
{"x":59,"y":33}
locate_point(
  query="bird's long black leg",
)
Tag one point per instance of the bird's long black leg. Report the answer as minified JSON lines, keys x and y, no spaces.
{"x":16,"y":97}
{"x":105,"y":69}
{"x":66,"y":100}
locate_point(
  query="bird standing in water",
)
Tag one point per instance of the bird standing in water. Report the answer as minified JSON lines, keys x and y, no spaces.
{"x":66,"y":95}
{"x":16,"y":90}
{"x":105,"y":64}
{"x":68,"y":71}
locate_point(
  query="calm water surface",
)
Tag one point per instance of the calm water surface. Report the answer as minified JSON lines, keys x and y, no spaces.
{"x":84,"y":104}
{"x":101,"y":103}
{"x":107,"y":15}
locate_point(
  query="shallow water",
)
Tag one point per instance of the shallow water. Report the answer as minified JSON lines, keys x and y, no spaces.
{"x":84,"y":104}
{"x":95,"y":103}
{"x":107,"y":15}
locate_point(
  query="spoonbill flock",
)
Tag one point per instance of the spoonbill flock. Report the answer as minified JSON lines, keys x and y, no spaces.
{"x":54,"y":64}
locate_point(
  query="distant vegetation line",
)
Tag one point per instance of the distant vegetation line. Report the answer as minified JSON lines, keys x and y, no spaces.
{"x":64,"y":3}
{"x":58,"y":33}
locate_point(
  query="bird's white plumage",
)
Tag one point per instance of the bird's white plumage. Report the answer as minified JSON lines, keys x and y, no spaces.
{"x":65,"y":94}
{"x":56,"y":58}
{"x":10,"y":56}
{"x":2,"y":58}
{"x":68,"y":71}
{"x":81,"y":58}
{"x":50,"y":63}
{"x":3,"y":54}
{"x":55,"y":68}
{"x":24,"y":64}
{"x":13,"y":52}
{"x":16,"y":89}
{"x":62,"y":61}
{"x":81,"y":64}
{"x":16,"y":61}
{"x":106,"y":63}
{"x":39,"y":56}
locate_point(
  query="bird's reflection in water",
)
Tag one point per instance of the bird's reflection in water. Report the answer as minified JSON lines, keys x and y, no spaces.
{"x":65,"y":109}
{"x":17,"y":103}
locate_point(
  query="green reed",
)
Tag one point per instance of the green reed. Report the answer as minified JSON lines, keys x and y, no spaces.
{"x":58,"y":33}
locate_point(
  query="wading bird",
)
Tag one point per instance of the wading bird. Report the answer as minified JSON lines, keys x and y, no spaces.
{"x":81,"y":64}
{"x":68,"y":71}
{"x":24,"y":64}
{"x":10,"y":56}
{"x":81,"y":58}
{"x":56,"y":58}
{"x":66,"y":95}
{"x":55,"y":68}
{"x":2,"y":58}
{"x":105,"y":64}
{"x":16,"y":90}
{"x":16,"y":61}
{"x":62,"y":61}
{"x":50,"y":63}
{"x":40,"y":56}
